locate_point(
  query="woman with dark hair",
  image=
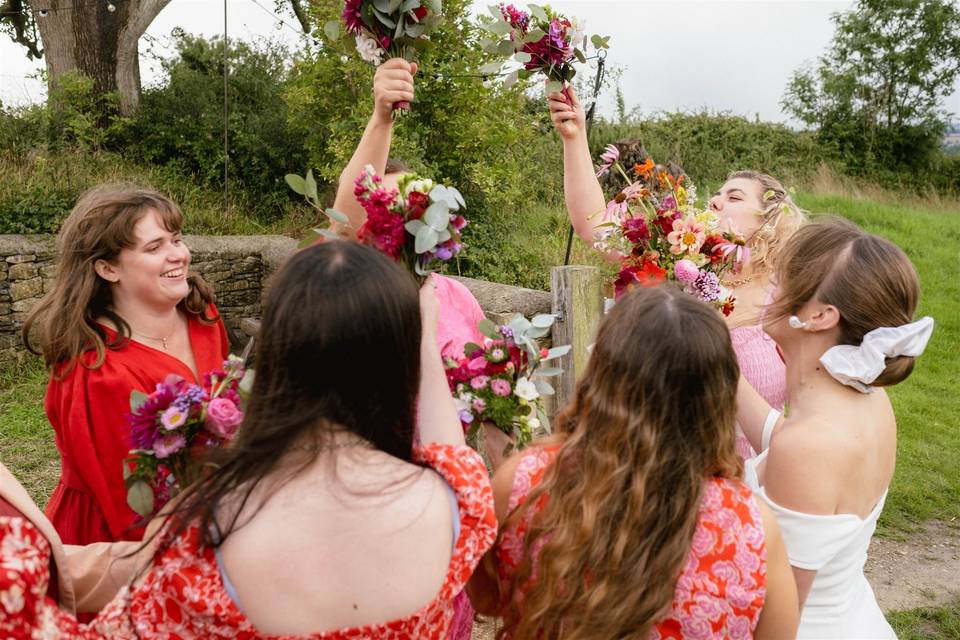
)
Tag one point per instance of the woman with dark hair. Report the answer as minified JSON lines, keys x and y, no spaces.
{"x":631,"y":521}
{"x":323,"y":518}
{"x":844,"y":318}
{"x":122,"y":315}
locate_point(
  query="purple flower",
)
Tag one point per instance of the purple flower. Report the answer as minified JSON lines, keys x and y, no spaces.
{"x":173,"y":418}
{"x":465,"y":416}
{"x":168,"y":445}
{"x":145,"y":422}
{"x":193,"y":395}
{"x":443,"y":253}
{"x":706,"y":286}
{"x":501,"y":387}
{"x":610,"y":155}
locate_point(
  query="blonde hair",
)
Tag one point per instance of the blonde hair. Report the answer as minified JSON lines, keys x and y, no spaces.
{"x":617,"y":509}
{"x":63,"y":325}
{"x":781,"y":218}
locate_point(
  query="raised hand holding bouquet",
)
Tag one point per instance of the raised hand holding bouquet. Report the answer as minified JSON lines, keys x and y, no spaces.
{"x":660,"y":234}
{"x":502,"y":381}
{"x":174,"y":427}
{"x":418,"y":224}
{"x":388,"y":28}
{"x":538,"y":40}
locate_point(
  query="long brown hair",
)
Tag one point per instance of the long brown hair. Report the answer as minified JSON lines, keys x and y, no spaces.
{"x":652,"y":419}
{"x":63,"y":325}
{"x":869,"y":279}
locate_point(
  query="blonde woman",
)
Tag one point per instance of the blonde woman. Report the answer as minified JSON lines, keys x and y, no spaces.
{"x":755,"y":204}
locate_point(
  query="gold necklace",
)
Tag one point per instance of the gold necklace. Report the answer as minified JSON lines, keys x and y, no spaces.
{"x":162,"y":341}
{"x":733,"y":284}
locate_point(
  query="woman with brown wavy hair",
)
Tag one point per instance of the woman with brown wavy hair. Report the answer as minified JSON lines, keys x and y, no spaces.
{"x":631,"y":521}
{"x":122,"y":315}
{"x":844,"y":317}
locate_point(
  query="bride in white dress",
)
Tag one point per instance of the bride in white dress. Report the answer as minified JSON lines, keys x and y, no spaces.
{"x":843,"y":318}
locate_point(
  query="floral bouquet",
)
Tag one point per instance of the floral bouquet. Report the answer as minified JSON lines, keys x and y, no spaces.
{"x":395,"y":28}
{"x":417,"y":224}
{"x":173,"y":427}
{"x":501,"y":381}
{"x":538,"y":40}
{"x":661,"y":235}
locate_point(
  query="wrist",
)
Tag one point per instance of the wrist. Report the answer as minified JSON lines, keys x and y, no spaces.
{"x":379,"y":121}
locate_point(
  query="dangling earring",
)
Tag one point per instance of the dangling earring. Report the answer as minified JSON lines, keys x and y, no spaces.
{"x":796,"y":323}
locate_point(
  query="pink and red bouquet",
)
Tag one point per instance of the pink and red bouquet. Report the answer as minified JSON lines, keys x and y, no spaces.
{"x":395,"y":28}
{"x":174,"y":427}
{"x":538,"y":40}
{"x":661,"y":235}
{"x":501,"y":381}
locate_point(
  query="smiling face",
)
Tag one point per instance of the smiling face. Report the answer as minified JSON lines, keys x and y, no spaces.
{"x":152,"y":272}
{"x":739,"y":202}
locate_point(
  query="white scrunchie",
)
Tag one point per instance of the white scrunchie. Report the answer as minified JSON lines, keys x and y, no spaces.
{"x":859,"y":366}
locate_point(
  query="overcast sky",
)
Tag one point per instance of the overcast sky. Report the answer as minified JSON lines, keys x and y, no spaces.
{"x":724,"y":55}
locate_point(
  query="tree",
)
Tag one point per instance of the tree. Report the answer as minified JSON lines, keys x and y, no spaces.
{"x":876,"y":94}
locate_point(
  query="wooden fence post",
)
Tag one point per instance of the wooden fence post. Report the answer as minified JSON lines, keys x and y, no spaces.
{"x":578,"y":307}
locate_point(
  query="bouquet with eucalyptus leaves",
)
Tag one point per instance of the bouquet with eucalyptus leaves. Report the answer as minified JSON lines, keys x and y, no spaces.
{"x":538,"y":40}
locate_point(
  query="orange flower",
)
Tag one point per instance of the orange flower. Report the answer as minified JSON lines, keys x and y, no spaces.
{"x":728,"y":305}
{"x":644,"y":170}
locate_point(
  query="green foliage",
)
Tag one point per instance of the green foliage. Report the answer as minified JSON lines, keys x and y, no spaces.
{"x":928,"y":623}
{"x":181,"y":120}
{"x":874,"y":98}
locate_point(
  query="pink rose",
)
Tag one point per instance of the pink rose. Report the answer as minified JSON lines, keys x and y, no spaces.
{"x":223,"y":418}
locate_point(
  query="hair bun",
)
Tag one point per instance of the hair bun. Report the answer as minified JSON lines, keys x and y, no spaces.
{"x":897,"y":370}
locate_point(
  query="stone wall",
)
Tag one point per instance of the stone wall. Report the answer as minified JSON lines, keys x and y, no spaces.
{"x":236,"y":266}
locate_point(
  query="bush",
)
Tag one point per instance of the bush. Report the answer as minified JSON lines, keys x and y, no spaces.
{"x":181,"y":120}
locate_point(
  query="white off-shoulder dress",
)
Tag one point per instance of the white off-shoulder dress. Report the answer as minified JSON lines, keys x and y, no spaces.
{"x":841,"y":603}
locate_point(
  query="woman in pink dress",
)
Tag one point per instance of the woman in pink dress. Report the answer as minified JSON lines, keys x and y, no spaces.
{"x":323,"y":498}
{"x":460,"y":313}
{"x":631,"y":520}
{"x":755,"y":204}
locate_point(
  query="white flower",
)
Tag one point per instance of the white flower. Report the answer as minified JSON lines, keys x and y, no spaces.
{"x":533,"y":423}
{"x":368,"y":48}
{"x":526,"y":390}
{"x":424,"y":185}
{"x":577,"y":31}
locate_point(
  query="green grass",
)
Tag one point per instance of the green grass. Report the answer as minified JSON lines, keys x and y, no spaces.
{"x":927,"y":623}
{"x":26,"y":438}
{"x":927,"y":481}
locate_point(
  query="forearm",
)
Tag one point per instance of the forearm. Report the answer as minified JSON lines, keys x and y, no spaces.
{"x":752,"y":412}
{"x":374,"y":149}
{"x":584,"y":197}
{"x":436,"y":414}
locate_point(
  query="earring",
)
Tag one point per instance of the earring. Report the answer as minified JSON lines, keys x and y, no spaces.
{"x":796,"y":323}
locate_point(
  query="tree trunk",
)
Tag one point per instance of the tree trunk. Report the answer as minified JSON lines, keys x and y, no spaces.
{"x":90,"y":38}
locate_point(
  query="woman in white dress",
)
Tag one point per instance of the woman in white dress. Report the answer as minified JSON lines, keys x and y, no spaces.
{"x":843,"y":317}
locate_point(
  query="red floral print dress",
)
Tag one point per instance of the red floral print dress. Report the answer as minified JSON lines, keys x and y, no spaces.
{"x":182,"y":597}
{"x":721,"y":590}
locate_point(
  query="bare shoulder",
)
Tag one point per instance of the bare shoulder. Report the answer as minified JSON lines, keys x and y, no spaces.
{"x":805,"y":467}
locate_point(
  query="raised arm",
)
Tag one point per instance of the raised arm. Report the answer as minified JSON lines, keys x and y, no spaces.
{"x":437,"y":418}
{"x":392,"y":83}
{"x":584,"y":197}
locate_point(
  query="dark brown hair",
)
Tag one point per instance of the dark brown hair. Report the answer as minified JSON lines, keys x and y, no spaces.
{"x":869,"y":279}
{"x":652,"y":419}
{"x":339,"y":350}
{"x":63,"y":325}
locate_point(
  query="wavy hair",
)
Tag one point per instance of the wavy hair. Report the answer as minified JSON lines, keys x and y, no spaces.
{"x":780,"y":214}
{"x":63,"y":325}
{"x":652,"y":419}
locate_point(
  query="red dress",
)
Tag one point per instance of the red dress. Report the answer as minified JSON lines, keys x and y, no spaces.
{"x":722,"y":587}
{"x":88,"y":412}
{"x":182,"y":596}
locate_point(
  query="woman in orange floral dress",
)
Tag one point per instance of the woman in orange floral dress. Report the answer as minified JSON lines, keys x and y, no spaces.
{"x":323,"y":520}
{"x":631,"y":520}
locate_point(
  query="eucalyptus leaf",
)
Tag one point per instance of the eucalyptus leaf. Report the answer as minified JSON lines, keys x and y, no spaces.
{"x":332,"y":30}
{"x":246,"y":383}
{"x":310,"y":185}
{"x":137,"y":400}
{"x":382,"y":5}
{"x":549,"y":372}
{"x":415,"y":30}
{"x":505,"y":48}
{"x":410,"y":5}
{"x":437,"y":215}
{"x":297,"y":183}
{"x":491,"y":67}
{"x":489,"y":329}
{"x":511,"y":79}
{"x":534,"y":35}
{"x":554,"y":86}
{"x":557,"y":352}
{"x":523,"y":57}
{"x":500,"y":28}
{"x":457,"y":196}
{"x":543,"y":320}
{"x":393,"y":6}
{"x":426,"y":239}
{"x":471,"y":347}
{"x":543,"y":387}
{"x":443,"y":235}
{"x":494,"y":10}
{"x":579,"y":54}
{"x":140,"y":498}
{"x":338,"y":216}
{"x":385,"y":20}
{"x":436,"y":6}
{"x":400,"y":28}
{"x":414,"y":226}
{"x":538,"y":12}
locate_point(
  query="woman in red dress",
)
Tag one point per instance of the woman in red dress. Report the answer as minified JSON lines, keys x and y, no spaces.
{"x":122,"y":316}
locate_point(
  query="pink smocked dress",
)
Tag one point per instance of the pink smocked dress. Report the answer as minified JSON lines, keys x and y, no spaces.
{"x":460,"y":313}
{"x":762,"y":366}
